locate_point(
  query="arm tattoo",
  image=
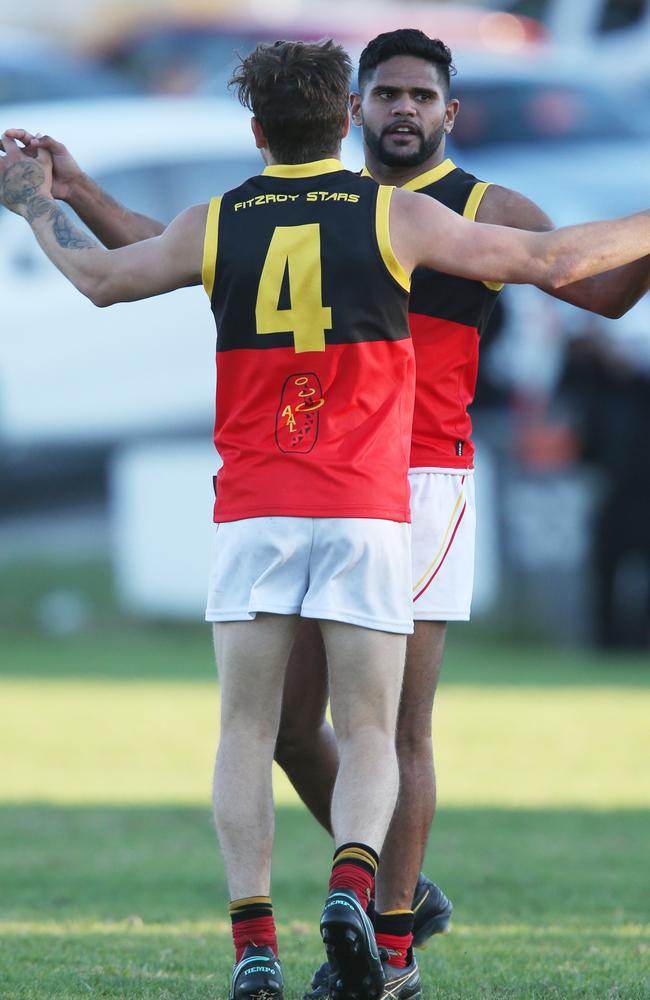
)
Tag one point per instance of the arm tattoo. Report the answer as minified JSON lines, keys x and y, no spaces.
{"x":37,"y":205}
{"x":20,"y":186}
{"x":21,"y":182}
{"x":67,"y":235}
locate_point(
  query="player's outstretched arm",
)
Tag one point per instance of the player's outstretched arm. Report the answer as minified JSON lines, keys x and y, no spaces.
{"x":610,"y":294}
{"x":112,"y":223}
{"x":425,"y":232}
{"x":151,"y":267}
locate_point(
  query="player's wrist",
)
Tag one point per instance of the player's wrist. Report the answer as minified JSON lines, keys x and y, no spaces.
{"x":76,"y":189}
{"x":38,"y":206}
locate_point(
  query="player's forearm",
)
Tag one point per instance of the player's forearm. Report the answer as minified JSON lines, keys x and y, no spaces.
{"x":570,"y":255}
{"x":79,"y":257}
{"x":112,"y":223}
{"x":610,"y":294}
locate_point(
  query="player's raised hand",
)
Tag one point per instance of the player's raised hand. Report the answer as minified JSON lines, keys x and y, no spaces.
{"x":65,"y":169}
{"x":25,"y":177}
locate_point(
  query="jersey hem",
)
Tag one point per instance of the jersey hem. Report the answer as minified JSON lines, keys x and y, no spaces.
{"x":441,"y":464}
{"x":376,"y":513}
{"x":442,"y":470}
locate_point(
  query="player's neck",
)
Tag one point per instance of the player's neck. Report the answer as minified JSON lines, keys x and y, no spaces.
{"x":272,"y":161}
{"x":399,"y":176}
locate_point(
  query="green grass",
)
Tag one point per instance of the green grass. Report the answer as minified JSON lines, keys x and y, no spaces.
{"x":111,"y":883}
{"x":128,"y":902}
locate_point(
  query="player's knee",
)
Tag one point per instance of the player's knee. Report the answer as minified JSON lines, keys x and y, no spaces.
{"x":413,"y":743}
{"x":292,"y":743}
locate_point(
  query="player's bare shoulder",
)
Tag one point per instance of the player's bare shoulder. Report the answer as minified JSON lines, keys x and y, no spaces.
{"x":182,"y":242}
{"x":414,"y":218}
{"x":190,"y":222}
{"x":501,"y":206}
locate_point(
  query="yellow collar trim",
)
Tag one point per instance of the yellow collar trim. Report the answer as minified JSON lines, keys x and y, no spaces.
{"x":423,"y":180}
{"x":313,"y":169}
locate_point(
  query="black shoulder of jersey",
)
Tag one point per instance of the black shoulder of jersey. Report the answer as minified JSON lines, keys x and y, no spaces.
{"x":453,"y":190}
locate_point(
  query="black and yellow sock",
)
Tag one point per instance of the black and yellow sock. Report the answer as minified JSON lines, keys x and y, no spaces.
{"x":253,"y":923}
{"x":394,"y":933}
{"x":355,"y":867}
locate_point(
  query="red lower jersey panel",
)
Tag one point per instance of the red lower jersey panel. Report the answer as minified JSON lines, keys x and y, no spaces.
{"x":446,"y":356}
{"x":319,"y":434}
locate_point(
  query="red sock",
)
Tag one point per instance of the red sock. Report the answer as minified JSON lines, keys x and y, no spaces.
{"x":394,"y":933}
{"x":253,"y":923}
{"x":355,"y":867}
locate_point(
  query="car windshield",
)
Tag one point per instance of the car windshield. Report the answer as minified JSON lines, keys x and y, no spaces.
{"x":514,"y":111}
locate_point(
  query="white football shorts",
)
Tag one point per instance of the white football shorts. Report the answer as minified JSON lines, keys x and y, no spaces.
{"x":348,"y":569}
{"x":443,"y":515}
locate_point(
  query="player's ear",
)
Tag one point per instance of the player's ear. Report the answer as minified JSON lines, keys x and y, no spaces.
{"x":258,"y":132}
{"x":346,"y":127}
{"x":450,"y":114}
{"x":355,"y":107}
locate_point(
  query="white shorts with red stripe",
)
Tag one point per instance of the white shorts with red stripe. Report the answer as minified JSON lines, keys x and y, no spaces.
{"x":443,"y":516}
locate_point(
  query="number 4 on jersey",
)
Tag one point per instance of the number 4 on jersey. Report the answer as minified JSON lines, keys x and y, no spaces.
{"x":298,"y":249}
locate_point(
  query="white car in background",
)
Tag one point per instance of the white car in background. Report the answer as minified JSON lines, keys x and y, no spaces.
{"x":74,"y":374}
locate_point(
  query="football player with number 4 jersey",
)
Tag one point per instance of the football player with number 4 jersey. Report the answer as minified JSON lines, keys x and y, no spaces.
{"x":308,"y":269}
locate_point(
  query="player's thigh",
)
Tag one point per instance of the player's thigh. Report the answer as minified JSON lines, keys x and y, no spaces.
{"x":365,"y":676}
{"x":306,"y":690}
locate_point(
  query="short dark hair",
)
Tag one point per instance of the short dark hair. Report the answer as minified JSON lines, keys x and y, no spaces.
{"x":406,"y":42}
{"x":299,"y":93}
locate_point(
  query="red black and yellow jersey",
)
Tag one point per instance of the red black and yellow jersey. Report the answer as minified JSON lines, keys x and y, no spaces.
{"x":447,"y":315}
{"x":315,"y":367}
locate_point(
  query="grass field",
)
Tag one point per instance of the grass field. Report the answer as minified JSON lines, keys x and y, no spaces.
{"x":111,"y":883}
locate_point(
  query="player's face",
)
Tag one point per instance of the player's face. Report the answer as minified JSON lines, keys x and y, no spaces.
{"x":404,"y":112}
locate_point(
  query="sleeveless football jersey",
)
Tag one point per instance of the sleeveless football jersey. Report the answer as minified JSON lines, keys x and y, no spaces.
{"x":447,"y":315}
{"x":315,"y":367}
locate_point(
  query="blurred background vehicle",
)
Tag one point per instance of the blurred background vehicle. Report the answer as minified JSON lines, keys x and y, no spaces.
{"x":541,"y":98}
{"x":196,"y":52}
{"x":590,"y":22}
{"x":32,"y":68}
{"x":616,"y":33}
{"x":90,"y":384}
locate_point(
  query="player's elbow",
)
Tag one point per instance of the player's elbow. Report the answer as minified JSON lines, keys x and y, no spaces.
{"x":100,"y":294}
{"x":98,"y":298}
{"x":613,"y":310}
{"x":560,"y":271}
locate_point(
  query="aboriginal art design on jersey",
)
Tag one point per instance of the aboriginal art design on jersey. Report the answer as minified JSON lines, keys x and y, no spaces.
{"x":298,"y":419}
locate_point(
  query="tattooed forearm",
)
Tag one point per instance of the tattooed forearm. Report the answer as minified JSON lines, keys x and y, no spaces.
{"x":38,"y":205}
{"x":67,"y":234}
{"x":19,"y":190}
